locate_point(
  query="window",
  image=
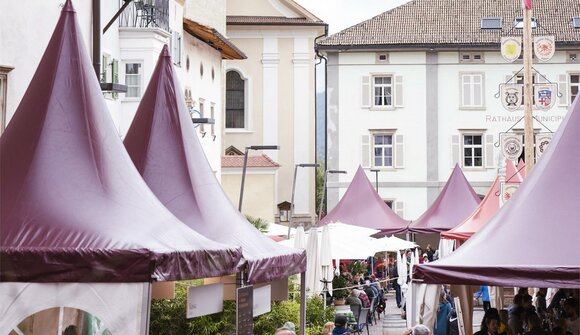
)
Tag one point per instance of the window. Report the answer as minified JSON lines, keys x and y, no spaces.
{"x":133,"y":80}
{"x":389,"y":203}
{"x":383,"y":150}
{"x":520,"y":80}
{"x":383,"y":90}
{"x":381,"y":57}
{"x":472,"y":150}
{"x":572,"y":57}
{"x":574,"y":86}
{"x":3,"y":79}
{"x":472,"y":90}
{"x":212,"y":116}
{"x":202,"y":115}
{"x":176,"y":48}
{"x":471,"y":57}
{"x":235,"y":101}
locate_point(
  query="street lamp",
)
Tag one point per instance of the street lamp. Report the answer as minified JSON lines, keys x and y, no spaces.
{"x":304,"y":165}
{"x":251,"y":147}
{"x":376,"y":171}
{"x":324,"y":189}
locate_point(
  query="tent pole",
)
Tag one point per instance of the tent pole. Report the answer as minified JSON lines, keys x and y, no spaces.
{"x":147,"y":307}
{"x":303,"y":303}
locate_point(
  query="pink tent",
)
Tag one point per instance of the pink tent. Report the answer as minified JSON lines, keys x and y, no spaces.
{"x":362,"y":206}
{"x":455,"y":202}
{"x":522,"y":168}
{"x":512,"y":175}
{"x":533,"y":240}
{"x":482,"y":214}
{"x":72,"y":206}
{"x":166,"y":150}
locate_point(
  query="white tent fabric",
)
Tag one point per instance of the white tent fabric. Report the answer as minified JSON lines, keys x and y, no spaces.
{"x":392,"y":243}
{"x":424,"y":311}
{"x":299,"y":238}
{"x":280,"y":230}
{"x":122,"y":307}
{"x":446,"y":247}
{"x":313,"y":268}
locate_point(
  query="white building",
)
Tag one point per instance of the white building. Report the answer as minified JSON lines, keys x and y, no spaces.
{"x":271,"y":101}
{"x":194,"y":30}
{"x":412,"y":92}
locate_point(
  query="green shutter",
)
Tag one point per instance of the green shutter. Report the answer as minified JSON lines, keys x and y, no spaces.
{"x":115,"y":70}
{"x":104,"y":70}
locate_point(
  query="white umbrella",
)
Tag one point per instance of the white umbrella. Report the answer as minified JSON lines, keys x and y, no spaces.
{"x":416,"y":256}
{"x":279,"y":230}
{"x":313,"y":269}
{"x":299,"y":238}
{"x":392,"y":243}
{"x":411,"y":265}
{"x":400,"y":266}
{"x":326,"y":257}
{"x":350,"y":242}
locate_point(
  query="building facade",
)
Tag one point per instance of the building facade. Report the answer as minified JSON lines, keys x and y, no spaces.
{"x":415,"y":90}
{"x":270,"y":100}
{"x":193,"y":29}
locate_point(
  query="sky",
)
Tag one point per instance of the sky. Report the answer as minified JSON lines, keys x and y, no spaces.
{"x":341,"y":14}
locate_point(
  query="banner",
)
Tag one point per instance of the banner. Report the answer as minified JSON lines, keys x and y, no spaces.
{"x":511,"y":96}
{"x":545,"y":95}
{"x":507,"y":191}
{"x":544,"y":47}
{"x":511,"y":47}
{"x":511,"y":145}
{"x":542,"y":143}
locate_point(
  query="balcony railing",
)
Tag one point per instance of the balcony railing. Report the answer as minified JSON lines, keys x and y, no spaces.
{"x":146,"y":13}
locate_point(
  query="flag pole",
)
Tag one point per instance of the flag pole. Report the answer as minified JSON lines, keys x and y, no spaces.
{"x":528,"y":87}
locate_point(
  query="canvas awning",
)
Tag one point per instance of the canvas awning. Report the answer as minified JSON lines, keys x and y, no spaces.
{"x":480,"y":216}
{"x":72,"y":206}
{"x":533,"y":240}
{"x":164,"y":146}
{"x":455,"y":202}
{"x":362,"y":206}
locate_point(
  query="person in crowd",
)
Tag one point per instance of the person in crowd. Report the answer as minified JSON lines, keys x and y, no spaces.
{"x":518,"y":301}
{"x":340,"y":322}
{"x":572,"y":319}
{"x":484,"y":294}
{"x":516,"y":320}
{"x":491,"y":325}
{"x":448,"y":295}
{"x":490,"y":313}
{"x":366,"y":303}
{"x":562,"y":294}
{"x":328,"y":328}
{"x":452,"y":323}
{"x":353,"y":298}
{"x":540,"y":300}
{"x":430,"y":252}
{"x":71,"y":330}
{"x":535,"y":325}
{"x":528,"y":306}
{"x":442,"y":313}
{"x":284,"y":331}
{"x":425,"y":258}
{"x":503,"y":322}
{"x":396,"y":285}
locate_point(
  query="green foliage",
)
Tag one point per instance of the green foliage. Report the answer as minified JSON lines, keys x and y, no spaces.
{"x":320,"y":187}
{"x":259,"y":223}
{"x":339,"y":282}
{"x":168,"y":317}
{"x":357,"y":267}
{"x":317,"y":316}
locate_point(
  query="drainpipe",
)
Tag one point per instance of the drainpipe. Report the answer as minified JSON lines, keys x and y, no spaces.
{"x":321,"y":58}
{"x":97,"y":38}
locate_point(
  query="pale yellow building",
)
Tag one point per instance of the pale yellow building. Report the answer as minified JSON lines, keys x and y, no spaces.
{"x":270,"y":100}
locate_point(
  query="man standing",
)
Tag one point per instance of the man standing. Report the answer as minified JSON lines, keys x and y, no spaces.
{"x":484,"y":294}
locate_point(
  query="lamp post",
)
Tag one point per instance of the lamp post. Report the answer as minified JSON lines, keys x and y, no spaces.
{"x":304,"y":165}
{"x":376,"y":171}
{"x":324,"y":189}
{"x":528,"y":88}
{"x":251,"y":147}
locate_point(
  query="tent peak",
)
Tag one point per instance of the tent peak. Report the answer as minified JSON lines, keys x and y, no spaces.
{"x":164,"y":52}
{"x":68,"y":7}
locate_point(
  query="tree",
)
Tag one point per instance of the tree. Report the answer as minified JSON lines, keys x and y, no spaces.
{"x":259,"y":223}
{"x":320,"y":188}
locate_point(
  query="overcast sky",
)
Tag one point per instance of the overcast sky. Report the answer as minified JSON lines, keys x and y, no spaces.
{"x":341,"y":14}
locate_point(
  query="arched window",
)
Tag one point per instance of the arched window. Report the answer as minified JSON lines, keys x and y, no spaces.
{"x":235,"y":100}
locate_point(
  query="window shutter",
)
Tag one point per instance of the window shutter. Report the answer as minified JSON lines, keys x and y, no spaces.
{"x":399,"y":152}
{"x":399,"y":208}
{"x":563,"y":89}
{"x":455,"y":150}
{"x":115,"y":71}
{"x":398,"y":91}
{"x":366,"y":92}
{"x":366,"y":151}
{"x":489,"y":161}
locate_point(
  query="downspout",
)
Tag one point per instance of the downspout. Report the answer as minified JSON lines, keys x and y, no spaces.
{"x":321,"y":58}
{"x":97,"y":38}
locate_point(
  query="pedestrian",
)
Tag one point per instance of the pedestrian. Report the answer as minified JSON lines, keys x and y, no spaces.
{"x":491,"y":325}
{"x":484,"y":294}
{"x":442,"y":314}
{"x":328,"y":327}
{"x":340,"y":325}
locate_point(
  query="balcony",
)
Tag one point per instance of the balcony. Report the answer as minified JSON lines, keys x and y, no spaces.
{"x":146,"y":14}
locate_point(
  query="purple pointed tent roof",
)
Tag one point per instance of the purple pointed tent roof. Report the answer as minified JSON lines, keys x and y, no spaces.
{"x":455,"y":202}
{"x":164,"y":146}
{"x":543,"y":214}
{"x":362,"y":206}
{"x":73,"y":207}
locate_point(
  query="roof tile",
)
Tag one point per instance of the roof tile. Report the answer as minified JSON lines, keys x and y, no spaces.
{"x":234,"y":161}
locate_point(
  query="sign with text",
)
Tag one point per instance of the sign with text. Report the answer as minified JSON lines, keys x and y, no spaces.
{"x":544,"y":47}
{"x":204,"y":300}
{"x":244,"y":311}
{"x":511,"y":96}
{"x":262,"y":300}
{"x":545,"y":95}
{"x":511,"y":47}
{"x":511,"y":145}
{"x":542,"y":143}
